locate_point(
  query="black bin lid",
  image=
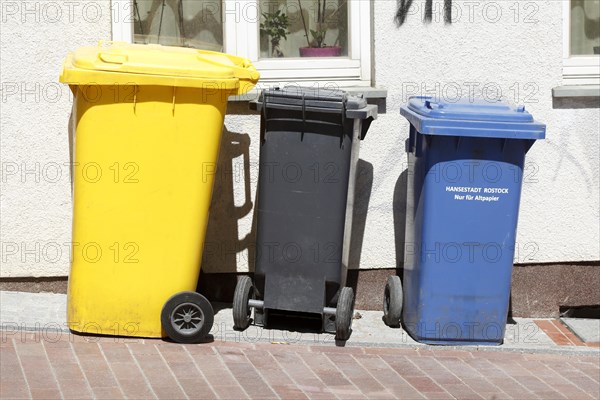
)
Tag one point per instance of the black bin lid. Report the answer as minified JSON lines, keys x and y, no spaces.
{"x":296,"y":98}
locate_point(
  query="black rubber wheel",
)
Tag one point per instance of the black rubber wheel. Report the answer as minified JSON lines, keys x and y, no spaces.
{"x":343,"y":314}
{"x":392,"y":302}
{"x":241,"y":310}
{"x":187,"y":317}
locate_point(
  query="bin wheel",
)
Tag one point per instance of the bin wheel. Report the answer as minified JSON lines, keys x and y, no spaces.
{"x":187,"y":317}
{"x":392,"y":302}
{"x":244,"y":291}
{"x":343,"y":314}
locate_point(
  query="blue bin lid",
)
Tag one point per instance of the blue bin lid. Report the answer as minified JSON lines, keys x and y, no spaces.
{"x":476,"y":118}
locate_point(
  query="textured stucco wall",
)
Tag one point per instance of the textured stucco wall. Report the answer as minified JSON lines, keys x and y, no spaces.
{"x":35,"y":197}
{"x":510,"y":47}
{"x":520,"y":54}
{"x":491,"y":45}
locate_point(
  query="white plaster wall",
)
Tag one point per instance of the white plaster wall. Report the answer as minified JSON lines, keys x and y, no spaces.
{"x":511,"y":50}
{"x":519,"y":54}
{"x":35,"y":228}
{"x":559,"y":215}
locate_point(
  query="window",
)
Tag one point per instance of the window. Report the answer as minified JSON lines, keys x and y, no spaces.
{"x":317,"y":27}
{"x":305,"y":41}
{"x":581,"y":53}
{"x":194,"y":24}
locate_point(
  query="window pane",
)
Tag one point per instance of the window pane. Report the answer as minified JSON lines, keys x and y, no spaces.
{"x":585,"y":27}
{"x":188,"y":23}
{"x":289,"y":27}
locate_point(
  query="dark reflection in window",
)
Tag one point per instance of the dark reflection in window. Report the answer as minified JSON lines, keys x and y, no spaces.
{"x":585,"y":27}
{"x":186,"y":23}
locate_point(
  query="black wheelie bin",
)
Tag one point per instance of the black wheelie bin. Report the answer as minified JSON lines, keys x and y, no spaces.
{"x":310,"y":142}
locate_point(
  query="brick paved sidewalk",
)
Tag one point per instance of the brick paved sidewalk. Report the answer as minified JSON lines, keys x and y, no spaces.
{"x":84,"y":367}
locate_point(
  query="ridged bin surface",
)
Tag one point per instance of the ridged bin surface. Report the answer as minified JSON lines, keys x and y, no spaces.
{"x":144,"y":162}
{"x":464,"y":188}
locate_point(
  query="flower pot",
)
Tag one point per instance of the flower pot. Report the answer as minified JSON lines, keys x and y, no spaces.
{"x":276,"y":52}
{"x":332,"y":51}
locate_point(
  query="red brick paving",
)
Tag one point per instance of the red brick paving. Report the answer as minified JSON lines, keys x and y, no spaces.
{"x":561,"y":335}
{"x":107,"y":368}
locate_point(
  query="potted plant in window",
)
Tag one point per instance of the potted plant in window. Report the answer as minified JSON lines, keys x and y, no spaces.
{"x":275,"y":25}
{"x":317,"y":47}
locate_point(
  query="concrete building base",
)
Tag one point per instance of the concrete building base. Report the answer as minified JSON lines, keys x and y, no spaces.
{"x":538,"y":291}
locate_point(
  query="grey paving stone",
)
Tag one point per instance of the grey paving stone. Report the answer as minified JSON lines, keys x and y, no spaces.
{"x":33,"y":311}
{"x":588,"y":330}
{"x":47,"y":311}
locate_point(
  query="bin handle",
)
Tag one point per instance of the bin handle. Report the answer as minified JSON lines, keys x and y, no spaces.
{"x":344,"y":105}
{"x":410,"y":142}
{"x":263,"y":120}
{"x":431,"y":105}
{"x":242,"y":67}
{"x":303,"y":116}
{"x":173,"y":104}
{"x":112,"y":58}
{"x":135,"y":92}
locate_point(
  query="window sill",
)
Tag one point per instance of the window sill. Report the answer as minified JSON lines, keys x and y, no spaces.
{"x":576,"y":91}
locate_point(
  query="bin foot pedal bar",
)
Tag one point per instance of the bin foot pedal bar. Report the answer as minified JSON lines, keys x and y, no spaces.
{"x":256,"y":303}
{"x":328,"y":311}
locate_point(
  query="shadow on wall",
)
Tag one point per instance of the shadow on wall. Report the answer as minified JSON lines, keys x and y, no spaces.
{"x":567,"y":103}
{"x":371,"y":281}
{"x":400,"y":219}
{"x":223,"y":246}
{"x":362,"y":196}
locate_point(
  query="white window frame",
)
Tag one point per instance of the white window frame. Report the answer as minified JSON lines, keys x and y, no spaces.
{"x":241,"y":37}
{"x":577,"y":70}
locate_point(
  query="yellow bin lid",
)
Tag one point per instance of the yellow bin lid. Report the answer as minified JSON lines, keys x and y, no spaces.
{"x":112,"y":63}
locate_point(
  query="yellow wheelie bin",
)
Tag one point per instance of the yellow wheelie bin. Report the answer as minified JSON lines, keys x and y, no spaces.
{"x":145,"y":128}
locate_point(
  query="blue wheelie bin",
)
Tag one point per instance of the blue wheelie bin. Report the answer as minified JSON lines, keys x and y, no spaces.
{"x":464,"y":187}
